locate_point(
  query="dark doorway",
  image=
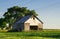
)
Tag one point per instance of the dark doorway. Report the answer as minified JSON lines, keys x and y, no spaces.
{"x":33,"y":27}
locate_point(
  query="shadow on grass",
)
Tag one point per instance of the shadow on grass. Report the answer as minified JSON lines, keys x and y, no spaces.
{"x":53,"y":36}
{"x":38,"y":35}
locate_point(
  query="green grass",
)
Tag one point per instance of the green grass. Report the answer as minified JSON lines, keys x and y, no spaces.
{"x":26,"y":38}
{"x":45,"y":34}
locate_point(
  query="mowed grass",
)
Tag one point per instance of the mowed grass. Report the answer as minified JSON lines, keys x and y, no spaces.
{"x":45,"y":34}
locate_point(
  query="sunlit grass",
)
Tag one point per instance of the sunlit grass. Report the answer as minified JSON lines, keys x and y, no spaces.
{"x":45,"y":34}
{"x":27,"y":38}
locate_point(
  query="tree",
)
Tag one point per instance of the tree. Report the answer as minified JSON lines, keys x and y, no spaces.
{"x":2,"y":23}
{"x":17,"y":12}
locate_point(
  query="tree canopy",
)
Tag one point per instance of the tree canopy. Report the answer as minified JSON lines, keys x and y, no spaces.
{"x":2,"y":23}
{"x":14,"y":13}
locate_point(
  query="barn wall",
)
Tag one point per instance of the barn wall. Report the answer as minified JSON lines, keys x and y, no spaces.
{"x":40,"y":26}
{"x":19,"y":27}
{"x":33,"y":21}
{"x":26,"y":26}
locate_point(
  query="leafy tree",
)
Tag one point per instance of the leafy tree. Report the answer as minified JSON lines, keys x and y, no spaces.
{"x":17,"y":12}
{"x":2,"y":23}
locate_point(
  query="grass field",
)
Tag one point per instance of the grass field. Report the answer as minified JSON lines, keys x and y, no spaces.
{"x":45,"y":34}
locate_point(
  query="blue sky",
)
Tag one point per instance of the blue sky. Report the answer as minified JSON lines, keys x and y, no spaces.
{"x":48,"y":10}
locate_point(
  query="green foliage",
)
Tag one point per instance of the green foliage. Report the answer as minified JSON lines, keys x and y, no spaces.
{"x":19,"y":12}
{"x":2,"y":23}
{"x":14,"y":13}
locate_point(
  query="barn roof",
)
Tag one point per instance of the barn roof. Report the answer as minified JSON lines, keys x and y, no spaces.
{"x":22,"y":20}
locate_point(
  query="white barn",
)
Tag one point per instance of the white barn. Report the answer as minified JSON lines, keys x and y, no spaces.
{"x":27,"y":23}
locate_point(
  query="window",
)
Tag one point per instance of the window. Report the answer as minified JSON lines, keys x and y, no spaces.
{"x":33,"y":18}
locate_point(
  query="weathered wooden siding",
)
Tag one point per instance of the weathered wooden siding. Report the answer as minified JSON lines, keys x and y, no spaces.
{"x":33,"y":21}
{"x":40,"y":26}
{"x":26,"y":26}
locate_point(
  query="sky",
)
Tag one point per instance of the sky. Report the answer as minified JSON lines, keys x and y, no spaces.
{"x":48,"y":10}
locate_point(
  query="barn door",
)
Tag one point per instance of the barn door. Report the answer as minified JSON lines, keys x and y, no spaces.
{"x":33,"y":27}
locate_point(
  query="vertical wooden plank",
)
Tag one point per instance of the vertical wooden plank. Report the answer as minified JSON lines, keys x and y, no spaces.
{"x":26,"y":26}
{"x":40,"y":26}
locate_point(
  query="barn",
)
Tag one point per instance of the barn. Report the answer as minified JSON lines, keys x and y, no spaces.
{"x":27,"y":23}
